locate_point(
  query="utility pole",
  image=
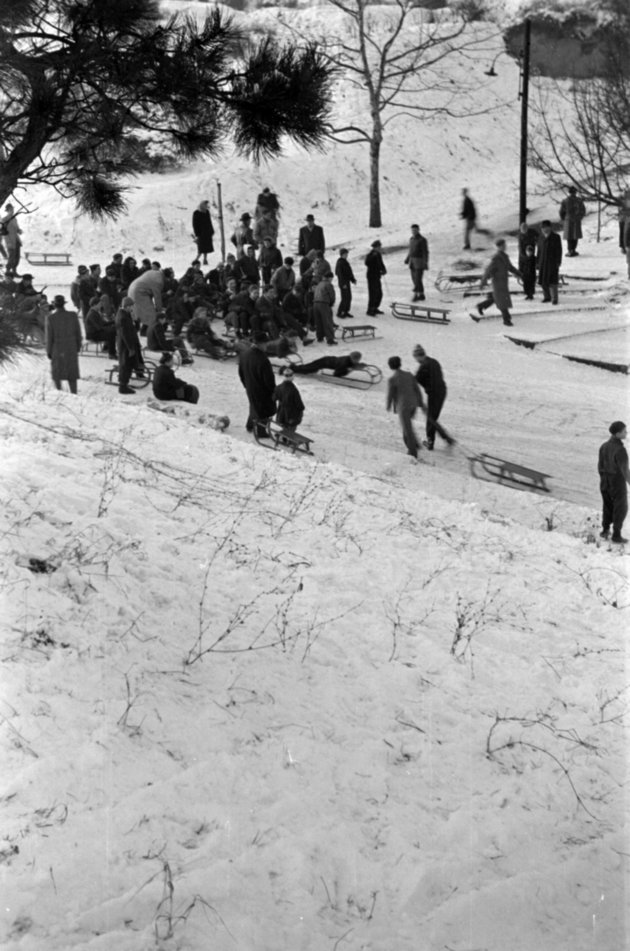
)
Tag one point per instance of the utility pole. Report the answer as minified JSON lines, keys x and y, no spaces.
{"x":221,"y":226}
{"x":524,"y":97}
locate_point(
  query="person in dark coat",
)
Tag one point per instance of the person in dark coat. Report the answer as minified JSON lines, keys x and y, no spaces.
{"x":283,"y":279}
{"x":323,"y":302}
{"x":527,"y":267}
{"x":166,"y":386}
{"x":129,"y":271}
{"x":311,"y":237}
{"x":469,"y":216}
{"x":429,"y":376}
{"x":88,"y":286}
{"x":548,"y":261}
{"x":267,"y":201}
{"x":345,"y":279}
{"x":527,"y":236}
{"x":128,"y":346}
{"x":375,"y":271}
{"x":269,"y":260}
{"x":203,"y":230}
{"x":340,"y":365}
{"x":290,"y":406}
{"x":246,"y":269}
{"x":256,"y":375}
{"x":108,"y":288}
{"x":418,"y":261}
{"x":612,"y":466}
{"x":157,"y":339}
{"x":63,"y":344}
{"x":99,"y":328}
{"x":572,"y":210}
{"x":498,"y":272}
{"x":404,"y":397}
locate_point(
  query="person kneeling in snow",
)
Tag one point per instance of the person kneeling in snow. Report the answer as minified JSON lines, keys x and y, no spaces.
{"x":340,"y":365}
{"x":166,"y":385}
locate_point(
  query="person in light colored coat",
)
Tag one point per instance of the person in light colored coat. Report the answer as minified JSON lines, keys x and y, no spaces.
{"x":63,"y":344}
{"x":498,"y":273}
{"x":146,"y":294}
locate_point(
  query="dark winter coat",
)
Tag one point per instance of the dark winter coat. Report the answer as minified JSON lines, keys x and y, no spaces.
{"x":63,"y":343}
{"x":166,"y":385}
{"x":203,"y":231}
{"x":429,"y":376}
{"x":374,"y":264}
{"x":246,"y":270}
{"x":403,"y":392}
{"x":290,"y":405}
{"x":96,"y":323}
{"x":572,"y":210}
{"x":283,"y":279}
{"x":344,"y":273}
{"x":527,"y":240}
{"x":127,"y":342}
{"x":418,"y":255}
{"x":256,"y":375}
{"x":311,"y":239}
{"x":549,"y":258}
{"x":468,"y":212}
{"x":613,"y":460}
{"x":497,"y":273}
{"x":270,"y":257}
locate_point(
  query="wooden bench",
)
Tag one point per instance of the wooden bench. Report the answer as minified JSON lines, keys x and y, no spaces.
{"x":422,"y":312}
{"x":48,"y":257}
{"x":358,"y":330}
{"x":510,"y":473}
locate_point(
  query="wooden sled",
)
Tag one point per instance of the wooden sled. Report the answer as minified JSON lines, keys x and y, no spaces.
{"x":136,"y":382}
{"x":461,"y":282}
{"x":277,"y":437}
{"x":361,"y":379}
{"x":358,"y":330}
{"x":94,"y":348}
{"x":492,"y":469}
{"x":422,"y":312}
{"x":48,"y":257}
{"x":280,"y":363}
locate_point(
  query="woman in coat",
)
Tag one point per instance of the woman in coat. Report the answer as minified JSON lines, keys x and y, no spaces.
{"x":63,"y":343}
{"x":203,"y":230}
{"x":166,"y":386}
{"x":146,"y":294}
{"x":498,"y":273}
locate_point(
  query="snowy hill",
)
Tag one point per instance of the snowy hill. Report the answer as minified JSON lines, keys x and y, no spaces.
{"x":259,"y":702}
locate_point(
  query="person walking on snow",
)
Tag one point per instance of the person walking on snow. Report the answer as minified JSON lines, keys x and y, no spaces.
{"x":429,"y":377}
{"x":404,"y":397}
{"x":469,"y":215}
{"x":612,"y":466}
{"x":498,"y":272}
{"x":375,"y":271}
{"x":418,"y":261}
{"x":63,"y":344}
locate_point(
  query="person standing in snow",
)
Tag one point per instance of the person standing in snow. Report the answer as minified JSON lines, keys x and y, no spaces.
{"x":311,"y":237}
{"x":63,"y":344}
{"x":323,"y":301}
{"x":469,"y":216}
{"x":548,"y":261}
{"x":418,"y":261}
{"x":256,"y":375}
{"x":375,"y":271}
{"x":498,"y":272}
{"x":128,"y":347}
{"x":345,"y":279}
{"x":290,"y":406}
{"x":404,"y":397}
{"x":612,"y":466}
{"x":429,"y":377}
{"x":572,"y":210}
{"x":203,"y":230}
{"x":11,"y":234}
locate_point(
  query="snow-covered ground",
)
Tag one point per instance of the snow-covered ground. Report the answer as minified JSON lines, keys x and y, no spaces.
{"x":262,"y":702}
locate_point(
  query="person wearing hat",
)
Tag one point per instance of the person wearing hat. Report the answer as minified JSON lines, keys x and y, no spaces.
{"x":243,"y":235}
{"x":375,"y":270}
{"x":340,"y":366}
{"x":256,"y":374}
{"x":498,"y":272}
{"x":128,"y":347}
{"x":311,"y":237}
{"x":345,"y":279}
{"x":572,"y":210}
{"x":404,"y":397}
{"x":290,"y":406}
{"x":548,"y":261}
{"x":429,"y":377}
{"x":63,"y":344}
{"x":418,"y":261}
{"x":203,"y":230}
{"x":612,"y":466}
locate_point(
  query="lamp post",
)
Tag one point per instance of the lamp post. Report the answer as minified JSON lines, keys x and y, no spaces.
{"x":524,"y":97}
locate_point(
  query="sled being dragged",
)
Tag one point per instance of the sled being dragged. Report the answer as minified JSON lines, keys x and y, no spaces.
{"x":277,"y":437}
{"x":361,"y":378}
{"x":492,"y":469}
{"x":423,"y":312}
{"x":281,"y":363}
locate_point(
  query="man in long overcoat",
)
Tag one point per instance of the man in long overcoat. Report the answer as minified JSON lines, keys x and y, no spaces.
{"x":128,"y":346}
{"x":311,"y":237}
{"x":63,"y":343}
{"x":498,"y":273}
{"x":572,"y":211}
{"x":418,"y":260}
{"x":256,"y":375}
{"x":203,"y":230}
{"x":548,"y":261}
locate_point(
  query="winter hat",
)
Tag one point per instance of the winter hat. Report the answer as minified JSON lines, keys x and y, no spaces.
{"x":616,"y":427}
{"x":27,"y":277}
{"x":260,"y":337}
{"x":355,"y":356}
{"x":288,"y":373}
{"x":246,"y":216}
{"x":310,"y":217}
{"x":59,"y":300}
{"x":343,"y":250}
{"x":419,"y":351}
{"x":376,"y":244}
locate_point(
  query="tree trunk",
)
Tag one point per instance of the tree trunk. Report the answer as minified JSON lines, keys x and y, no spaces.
{"x":375,"y":194}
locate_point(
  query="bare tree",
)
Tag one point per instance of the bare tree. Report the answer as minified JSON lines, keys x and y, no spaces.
{"x":401,"y":62}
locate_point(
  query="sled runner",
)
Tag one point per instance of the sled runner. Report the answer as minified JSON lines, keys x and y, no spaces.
{"x":423,"y":312}
{"x":460,"y":282}
{"x":358,"y":330}
{"x":362,"y":378}
{"x":48,"y":257}
{"x":139,"y":378}
{"x":281,"y":438}
{"x":93,"y":348}
{"x":492,"y":469}
{"x":280,"y":363}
